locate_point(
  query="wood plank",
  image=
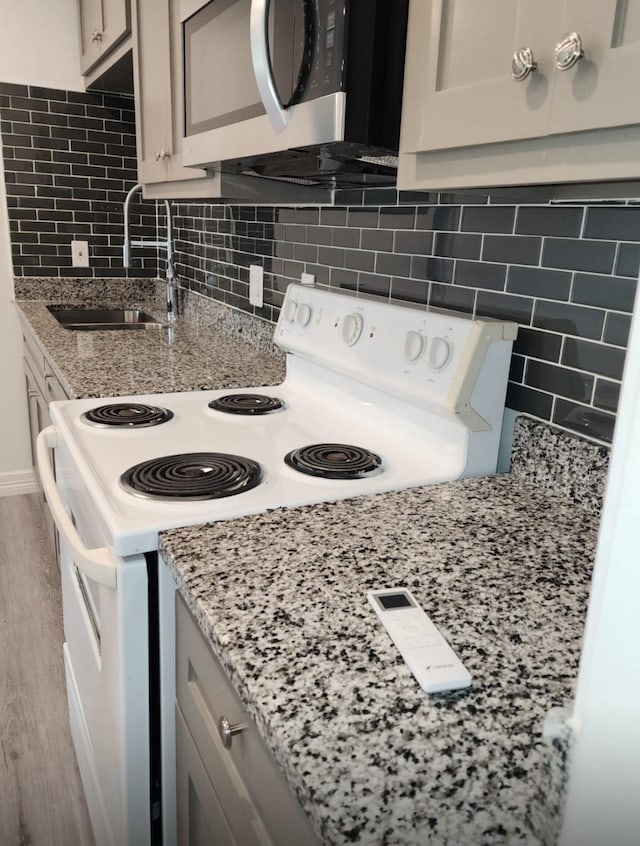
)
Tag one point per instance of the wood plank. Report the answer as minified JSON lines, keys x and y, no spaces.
{"x":41,"y":797}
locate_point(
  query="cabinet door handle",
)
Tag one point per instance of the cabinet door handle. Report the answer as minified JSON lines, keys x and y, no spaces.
{"x":96,"y":36}
{"x":161,"y":155}
{"x":522,"y":64}
{"x":226,"y":731}
{"x":568,"y":51}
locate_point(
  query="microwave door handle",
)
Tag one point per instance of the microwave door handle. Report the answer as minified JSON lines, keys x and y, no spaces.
{"x":261,"y":60}
{"x":97,"y":564}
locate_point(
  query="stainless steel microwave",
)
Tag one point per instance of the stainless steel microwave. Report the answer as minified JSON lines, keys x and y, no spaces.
{"x":305,"y":89}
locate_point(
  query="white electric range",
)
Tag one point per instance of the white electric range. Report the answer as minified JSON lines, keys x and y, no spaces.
{"x":377,"y":397}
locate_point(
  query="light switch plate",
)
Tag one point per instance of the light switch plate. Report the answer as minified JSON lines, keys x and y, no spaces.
{"x":80,"y":253}
{"x":308,"y":279}
{"x":256,"y":274}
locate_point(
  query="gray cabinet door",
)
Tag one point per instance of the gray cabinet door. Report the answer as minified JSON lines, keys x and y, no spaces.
{"x":159,"y":102}
{"x":103,"y":24}
{"x":248,"y":795}
{"x":201,"y":818}
{"x":152,"y":80}
{"x":459,"y":91}
{"x":598,"y":91}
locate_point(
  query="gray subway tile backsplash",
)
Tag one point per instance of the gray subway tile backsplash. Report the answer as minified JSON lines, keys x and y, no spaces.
{"x":536,"y":403}
{"x":606,"y":395}
{"x":457,"y":245}
{"x":560,"y":380}
{"x":568,"y":319}
{"x":593,"y":358}
{"x":616,"y":330}
{"x":549,"y":220}
{"x":539,"y":282}
{"x":566,"y":274}
{"x":535,"y":344}
{"x":613,"y":223}
{"x":575,"y":254}
{"x":628,"y":261}
{"x":584,"y":419}
{"x":478,"y":274}
{"x":612,"y":292}
{"x":512,"y":249}
{"x":69,"y":160}
{"x":498,"y":219}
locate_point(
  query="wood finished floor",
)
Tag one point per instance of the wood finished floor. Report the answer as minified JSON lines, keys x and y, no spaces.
{"x":41,"y":798}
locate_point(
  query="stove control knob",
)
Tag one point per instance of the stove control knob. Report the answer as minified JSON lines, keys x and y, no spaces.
{"x":352,"y":328}
{"x":303,"y":315}
{"x":413,"y":346}
{"x":439,"y":353}
{"x":290,"y":311}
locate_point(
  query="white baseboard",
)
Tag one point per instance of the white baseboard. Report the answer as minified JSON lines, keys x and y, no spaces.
{"x":18,"y":482}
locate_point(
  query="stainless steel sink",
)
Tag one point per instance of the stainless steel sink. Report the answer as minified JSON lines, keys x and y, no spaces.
{"x":104,"y":318}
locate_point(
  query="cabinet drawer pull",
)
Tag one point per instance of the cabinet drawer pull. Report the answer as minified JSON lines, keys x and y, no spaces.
{"x":522,"y":64}
{"x":568,"y":51}
{"x":226,"y":731}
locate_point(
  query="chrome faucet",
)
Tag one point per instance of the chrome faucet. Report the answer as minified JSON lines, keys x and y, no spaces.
{"x":171,"y":278}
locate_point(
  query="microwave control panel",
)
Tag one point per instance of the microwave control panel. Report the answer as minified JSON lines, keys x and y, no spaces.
{"x":324,"y":51}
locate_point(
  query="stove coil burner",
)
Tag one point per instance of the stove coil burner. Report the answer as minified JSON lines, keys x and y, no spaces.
{"x":127,"y":414}
{"x":334,"y":461}
{"x":246,"y":404}
{"x":192,"y":475}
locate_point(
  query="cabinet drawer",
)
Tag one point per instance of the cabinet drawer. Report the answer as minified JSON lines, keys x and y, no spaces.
{"x":35,"y":360}
{"x":41,"y":371}
{"x":249,"y":786}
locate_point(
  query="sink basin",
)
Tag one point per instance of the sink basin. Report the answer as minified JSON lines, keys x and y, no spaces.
{"x":104,"y":318}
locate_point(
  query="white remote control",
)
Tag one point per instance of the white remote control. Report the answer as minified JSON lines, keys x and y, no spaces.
{"x":424,"y":650}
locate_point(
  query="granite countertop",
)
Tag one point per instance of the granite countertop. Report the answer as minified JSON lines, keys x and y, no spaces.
{"x":211,"y":346}
{"x":502,"y":566}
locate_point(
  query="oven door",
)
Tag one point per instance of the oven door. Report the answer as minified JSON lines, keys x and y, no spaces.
{"x":105,"y":607}
{"x":259,"y":77}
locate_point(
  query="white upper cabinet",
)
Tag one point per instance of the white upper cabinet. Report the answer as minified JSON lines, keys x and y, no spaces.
{"x":103,"y":25}
{"x":599,"y":90}
{"x":157,"y":75}
{"x":459,"y":83}
{"x":517,"y":92}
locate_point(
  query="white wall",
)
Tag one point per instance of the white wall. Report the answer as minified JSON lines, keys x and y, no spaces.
{"x":15,"y":458}
{"x":39,"y":45}
{"x":603,"y":799}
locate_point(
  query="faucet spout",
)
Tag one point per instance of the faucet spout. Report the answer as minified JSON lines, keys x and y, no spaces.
{"x":167,"y":245}
{"x":126,"y":248}
{"x":171,"y":276}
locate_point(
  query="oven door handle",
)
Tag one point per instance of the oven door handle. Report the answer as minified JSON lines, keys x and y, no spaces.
{"x":261,"y":60}
{"x":97,"y":564}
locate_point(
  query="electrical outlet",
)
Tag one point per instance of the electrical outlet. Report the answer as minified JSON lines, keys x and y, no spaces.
{"x":308,"y":279}
{"x":256,"y":275}
{"x":80,"y":253}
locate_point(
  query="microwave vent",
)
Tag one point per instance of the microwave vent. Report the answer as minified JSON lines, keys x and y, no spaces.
{"x":385,"y":161}
{"x":338,"y":165}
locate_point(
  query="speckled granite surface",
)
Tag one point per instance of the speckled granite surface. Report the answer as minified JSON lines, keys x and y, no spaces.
{"x":372,"y":759}
{"x":503,"y":568}
{"x":557,"y":461}
{"x":211,"y":346}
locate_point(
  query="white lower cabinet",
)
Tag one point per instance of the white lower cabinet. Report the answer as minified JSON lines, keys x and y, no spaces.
{"x":231,"y":793}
